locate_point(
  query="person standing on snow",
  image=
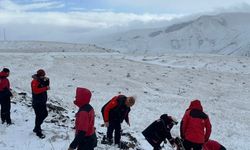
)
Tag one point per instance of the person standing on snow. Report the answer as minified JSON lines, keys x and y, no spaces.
{"x":5,"y":96}
{"x":114,"y":112}
{"x":195,"y":127}
{"x":85,"y":137}
{"x":213,"y":145}
{"x":39,"y":87}
{"x":159,"y":130}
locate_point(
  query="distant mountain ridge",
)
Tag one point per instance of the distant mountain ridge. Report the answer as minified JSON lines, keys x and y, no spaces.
{"x":227,"y":33}
{"x":45,"y":46}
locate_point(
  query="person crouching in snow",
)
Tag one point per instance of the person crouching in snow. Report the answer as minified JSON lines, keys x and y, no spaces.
{"x":159,"y":130}
{"x":85,"y":137}
{"x":213,"y":145}
{"x":114,"y":112}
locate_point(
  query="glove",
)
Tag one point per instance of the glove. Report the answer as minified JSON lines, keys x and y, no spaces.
{"x":172,"y":142}
{"x":165,"y":141}
{"x":70,"y":148}
{"x":106,"y":124}
{"x":174,"y":145}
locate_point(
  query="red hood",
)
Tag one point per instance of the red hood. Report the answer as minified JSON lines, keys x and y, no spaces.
{"x":195,"y":104}
{"x":3,"y":74}
{"x":83,"y":96}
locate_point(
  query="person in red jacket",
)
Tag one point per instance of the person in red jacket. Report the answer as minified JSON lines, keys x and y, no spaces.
{"x":114,"y":112}
{"x":5,"y":95}
{"x":85,"y":137}
{"x":39,"y":87}
{"x":195,"y":127}
{"x":213,"y":145}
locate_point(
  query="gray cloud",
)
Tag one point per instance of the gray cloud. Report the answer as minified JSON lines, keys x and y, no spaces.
{"x":76,"y":25}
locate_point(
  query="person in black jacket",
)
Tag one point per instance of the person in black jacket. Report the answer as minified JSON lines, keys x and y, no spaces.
{"x":159,"y":130}
{"x":5,"y":96}
{"x":39,"y":86}
{"x":114,"y":112}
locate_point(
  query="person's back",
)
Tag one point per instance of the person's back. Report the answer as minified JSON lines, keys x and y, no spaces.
{"x":213,"y":145}
{"x":115,"y":109}
{"x":195,"y":126}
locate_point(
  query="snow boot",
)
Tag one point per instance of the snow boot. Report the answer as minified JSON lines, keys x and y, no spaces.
{"x":106,"y":140}
{"x":40,"y":135}
{"x":123,"y":145}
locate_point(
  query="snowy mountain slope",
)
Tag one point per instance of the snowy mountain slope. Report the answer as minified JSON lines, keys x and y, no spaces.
{"x":39,"y":46}
{"x":163,"y":84}
{"x":226,"y":33}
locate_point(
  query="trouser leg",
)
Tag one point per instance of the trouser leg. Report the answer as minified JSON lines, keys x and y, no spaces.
{"x":41,"y":113}
{"x":5,"y":111}
{"x":117,"y":127}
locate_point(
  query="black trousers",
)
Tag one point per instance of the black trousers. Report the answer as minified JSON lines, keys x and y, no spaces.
{"x":41,"y":113}
{"x":114,"y":126}
{"x":192,"y":146}
{"x":5,"y":110}
{"x":89,"y":143}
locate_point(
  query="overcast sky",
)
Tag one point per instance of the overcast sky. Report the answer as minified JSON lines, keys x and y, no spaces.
{"x":31,"y":19}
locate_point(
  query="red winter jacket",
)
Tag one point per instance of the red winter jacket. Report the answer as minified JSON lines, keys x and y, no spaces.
{"x":4,"y":81}
{"x":195,"y":124}
{"x":212,"y":145}
{"x":85,"y":118}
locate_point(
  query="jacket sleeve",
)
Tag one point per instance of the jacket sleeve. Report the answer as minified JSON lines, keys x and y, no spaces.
{"x":184,"y":123}
{"x":36,"y":89}
{"x":112,"y":104}
{"x":169,"y":137}
{"x":208,"y":127}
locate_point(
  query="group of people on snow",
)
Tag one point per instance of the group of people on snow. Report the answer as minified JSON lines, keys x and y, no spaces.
{"x":195,"y":128}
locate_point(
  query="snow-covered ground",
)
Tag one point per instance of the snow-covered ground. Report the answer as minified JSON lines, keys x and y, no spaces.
{"x":164,"y":84}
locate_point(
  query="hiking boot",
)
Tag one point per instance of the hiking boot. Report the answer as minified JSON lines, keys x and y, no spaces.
{"x":122,"y":145}
{"x":9,"y":123}
{"x":35,"y":130}
{"x":40,"y":135}
{"x":106,"y":141}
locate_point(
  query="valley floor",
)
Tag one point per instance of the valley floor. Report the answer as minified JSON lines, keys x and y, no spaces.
{"x":164,"y":84}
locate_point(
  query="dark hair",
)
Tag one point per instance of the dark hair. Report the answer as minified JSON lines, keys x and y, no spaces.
{"x":6,"y":70}
{"x":40,"y":72}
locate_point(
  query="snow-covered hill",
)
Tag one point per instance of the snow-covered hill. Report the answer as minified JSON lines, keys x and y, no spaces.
{"x":227,"y":33}
{"x":164,"y":84}
{"x":39,"y":46}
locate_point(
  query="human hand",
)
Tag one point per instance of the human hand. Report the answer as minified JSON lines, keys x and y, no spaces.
{"x":174,"y":145}
{"x":106,"y":124}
